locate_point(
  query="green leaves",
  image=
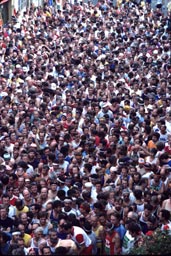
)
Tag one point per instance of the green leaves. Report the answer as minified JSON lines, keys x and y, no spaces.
{"x":156,"y":243}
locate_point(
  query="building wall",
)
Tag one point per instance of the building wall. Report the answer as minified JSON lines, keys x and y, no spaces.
{"x":5,"y":11}
{"x":11,"y":6}
{"x":21,"y":5}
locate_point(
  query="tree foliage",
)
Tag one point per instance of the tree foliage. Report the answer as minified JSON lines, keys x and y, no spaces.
{"x":156,"y":243}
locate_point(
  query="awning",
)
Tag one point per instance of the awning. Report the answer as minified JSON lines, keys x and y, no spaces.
{"x":3,"y":1}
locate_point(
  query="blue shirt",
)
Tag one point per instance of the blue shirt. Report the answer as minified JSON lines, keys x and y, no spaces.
{"x":121,"y":230}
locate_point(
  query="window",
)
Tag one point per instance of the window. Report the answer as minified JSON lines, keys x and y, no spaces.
{"x":22,"y":4}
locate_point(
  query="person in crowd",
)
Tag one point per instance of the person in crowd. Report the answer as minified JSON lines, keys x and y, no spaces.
{"x":85,"y":123}
{"x":80,"y":237}
{"x":112,"y":240}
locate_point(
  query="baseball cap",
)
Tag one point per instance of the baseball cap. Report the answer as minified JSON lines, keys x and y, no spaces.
{"x":6,"y":156}
{"x":88,"y":185}
{"x":141,"y":160}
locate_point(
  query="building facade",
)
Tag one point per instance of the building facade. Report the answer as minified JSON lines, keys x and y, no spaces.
{"x":5,"y":14}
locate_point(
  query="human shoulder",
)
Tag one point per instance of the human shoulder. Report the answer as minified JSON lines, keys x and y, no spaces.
{"x":115,"y":236}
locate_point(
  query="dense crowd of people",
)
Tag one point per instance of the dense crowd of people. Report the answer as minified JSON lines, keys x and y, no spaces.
{"x":85,"y":128}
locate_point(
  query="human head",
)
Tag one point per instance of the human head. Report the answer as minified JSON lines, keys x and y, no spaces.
{"x":53,"y":236}
{"x":133,"y":228}
{"x":38,"y":233}
{"x":18,"y":251}
{"x":84,"y":208}
{"x":164,"y":215}
{"x":115,"y":218}
{"x":87,"y":227}
{"x":67,"y":227}
{"x":46,"y":250}
{"x":19,"y":203}
{"x":15,"y":236}
{"x":133,"y":216}
{"x":44,"y":193}
{"x":109,"y":227}
{"x":3,"y":212}
{"x":57,"y":205}
{"x":6,"y":199}
{"x":23,"y":217}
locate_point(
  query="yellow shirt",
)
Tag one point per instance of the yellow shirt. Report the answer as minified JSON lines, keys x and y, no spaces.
{"x":97,"y":232}
{"x":25,"y":209}
{"x":26,"y":238}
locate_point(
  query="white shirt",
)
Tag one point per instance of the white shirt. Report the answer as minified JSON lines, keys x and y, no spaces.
{"x":72,"y":211}
{"x":79,"y":236}
{"x":147,"y":175}
{"x":128,"y":243}
{"x":11,"y":212}
{"x":166,"y":227}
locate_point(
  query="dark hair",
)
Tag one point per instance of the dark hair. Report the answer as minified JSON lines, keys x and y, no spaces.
{"x":109,"y":226}
{"x":45,"y":247}
{"x":14,"y":176}
{"x":156,"y":134}
{"x":71,"y":192}
{"x":61,"y":250}
{"x":18,"y":251}
{"x":72,"y":218}
{"x":85,"y":206}
{"x":165,"y":214}
{"x":19,"y":203}
{"x":86,"y":195}
{"x":62,"y":215}
{"x":5,"y":195}
{"x":148,"y":207}
{"x":5,"y":179}
{"x":160,"y":145}
{"x":56,"y":204}
{"x":37,"y":206}
{"x":67,"y":226}
{"x":42,"y":215}
{"x":152,"y":219}
{"x":4,"y":236}
{"x":61,"y":194}
{"x":98,"y":205}
{"x":88,"y":166}
{"x":87,"y":227}
{"x":116,"y":214}
{"x":138,"y":193}
{"x":133,"y":227}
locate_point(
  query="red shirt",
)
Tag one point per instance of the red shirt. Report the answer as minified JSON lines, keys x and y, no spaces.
{"x":13,"y":200}
{"x":110,"y":243}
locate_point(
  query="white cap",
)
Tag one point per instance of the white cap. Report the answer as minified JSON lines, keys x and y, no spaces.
{"x":25,"y":69}
{"x":113,"y":169}
{"x":18,"y":91}
{"x":28,"y":78}
{"x":16,"y":233}
{"x":33,"y":145}
{"x":67,"y":200}
{"x":53,"y":86}
{"x":101,"y":66}
{"x":155,"y":51}
{"x":6,"y":156}
{"x":18,"y":66}
{"x":88,"y":185}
